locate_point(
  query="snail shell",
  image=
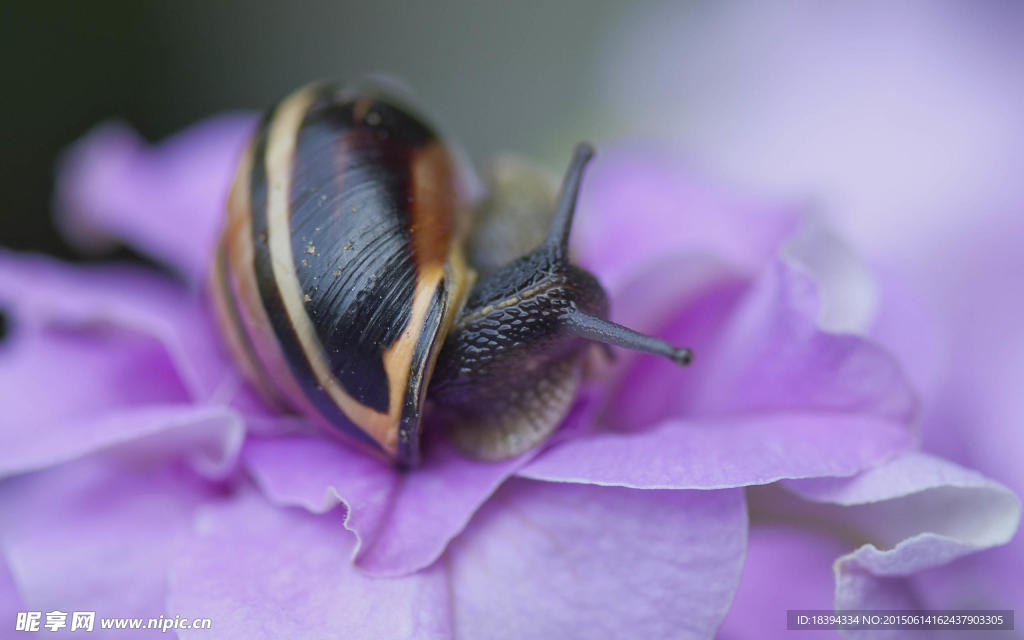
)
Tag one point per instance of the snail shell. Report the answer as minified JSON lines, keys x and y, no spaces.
{"x":342,"y":287}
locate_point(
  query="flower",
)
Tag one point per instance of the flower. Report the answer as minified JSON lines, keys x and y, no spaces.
{"x":902,"y":122}
{"x":144,"y":478}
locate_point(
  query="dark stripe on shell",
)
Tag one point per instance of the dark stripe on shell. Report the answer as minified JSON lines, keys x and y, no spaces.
{"x":274,"y":307}
{"x":351,"y":198}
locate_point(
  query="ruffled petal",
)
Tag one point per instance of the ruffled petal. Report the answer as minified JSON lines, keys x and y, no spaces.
{"x":212,"y":435}
{"x":98,"y":534}
{"x":691,"y":308}
{"x":804,"y":557}
{"x":113,"y":186}
{"x":773,"y":396}
{"x":847,"y":290}
{"x":775,"y":357}
{"x":764,"y":353}
{"x":114,"y":302}
{"x":262,"y":571}
{"x":304,"y":470}
{"x":966,"y":348}
{"x":59,"y":376}
{"x":989,"y":580}
{"x":921,"y":493}
{"x":558,"y":561}
{"x":402,"y":520}
{"x":914,"y":513}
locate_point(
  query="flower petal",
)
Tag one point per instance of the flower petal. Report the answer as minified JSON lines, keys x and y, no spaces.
{"x":638,"y":205}
{"x":764,"y":354}
{"x":558,"y":561}
{"x":42,"y":293}
{"x":402,"y":520}
{"x":973,"y":509}
{"x":211,"y":437}
{"x":98,"y":534}
{"x":848,"y":294}
{"x":724,"y":452}
{"x":260,"y":571}
{"x":916,"y":512}
{"x":989,"y":580}
{"x":776,"y":357}
{"x":51,"y":377}
{"x":774,"y":396}
{"x":805,"y":557}
{"x":10,"y":599}
{"x":968,"y":355}
{"x":113,"y":186}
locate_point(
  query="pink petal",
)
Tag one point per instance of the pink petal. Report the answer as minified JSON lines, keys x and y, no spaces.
{"x":10,"y":599}
{"x":115,"y":301}
{"x":847,"y":289}
{"x":787,"y":567}
{"x":402,"y":520}
{"x":685,"y":299}
{"x":772,"y":395}
{"x":112,"y":185}
{"x":211,"y":437}
{"x":639,"y":206}
{"x":559,"y":561}
{"x":66,"y":394}
{"x":98,"y":534}
{"x":969,"y":356}
{"x":53,"y":377}
{"x":974,"y":507}
{"x":775,"y":357}
{"x":724,"y":452}
{"x":908,"y":328}
{"x":765,"y":353}
{"x":260,"y":571}
{"x":989,"y":580}
{"x":917,"y":512}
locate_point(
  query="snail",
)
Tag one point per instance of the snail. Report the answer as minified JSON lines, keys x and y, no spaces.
{"x":342,"y":286}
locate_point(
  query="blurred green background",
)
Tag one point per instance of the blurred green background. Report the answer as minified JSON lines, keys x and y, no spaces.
{"x":494,"y":76}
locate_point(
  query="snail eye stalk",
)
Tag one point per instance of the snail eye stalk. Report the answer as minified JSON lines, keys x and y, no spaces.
{"x":597,"y":329}
{"x":580,"y":323}
{"x":557,"y":242}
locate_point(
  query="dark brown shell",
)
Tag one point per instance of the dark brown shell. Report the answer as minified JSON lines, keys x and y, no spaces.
{"x":340,"y":266}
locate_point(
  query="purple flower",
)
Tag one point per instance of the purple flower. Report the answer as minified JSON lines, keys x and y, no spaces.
{"x":144,"y":478}
{"x":902,"y":121}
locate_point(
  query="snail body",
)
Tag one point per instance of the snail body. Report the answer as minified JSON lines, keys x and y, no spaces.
{"x":342,"y":286}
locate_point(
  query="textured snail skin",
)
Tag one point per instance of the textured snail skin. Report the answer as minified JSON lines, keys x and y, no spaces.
{"x":341,"y":282}
{"x":508,"y":372}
